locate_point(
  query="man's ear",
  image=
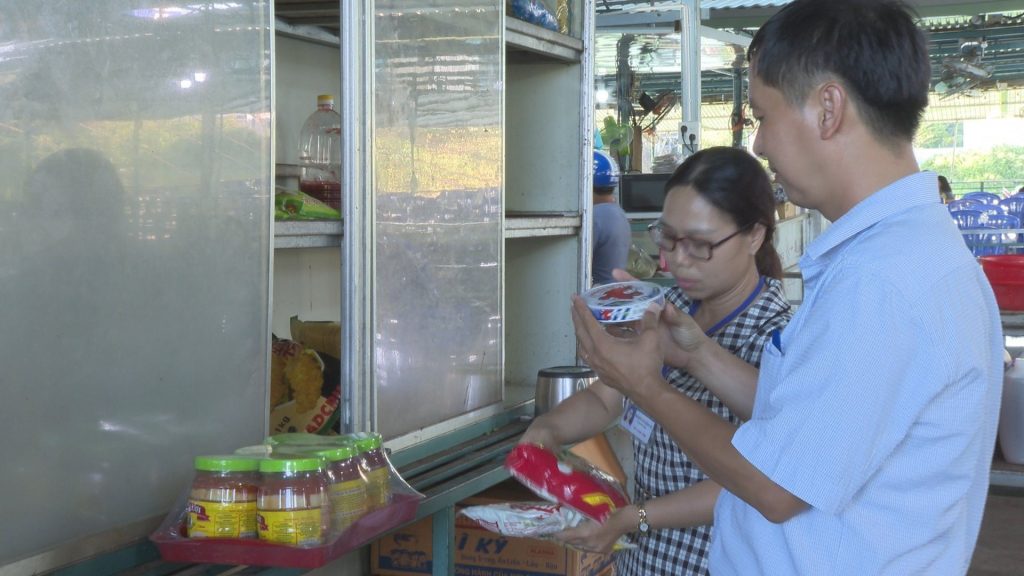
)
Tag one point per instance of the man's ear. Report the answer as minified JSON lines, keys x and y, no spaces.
{"x":832,"y":102}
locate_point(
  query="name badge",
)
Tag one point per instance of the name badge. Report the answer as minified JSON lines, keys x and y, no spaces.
{"x":637,"y":423}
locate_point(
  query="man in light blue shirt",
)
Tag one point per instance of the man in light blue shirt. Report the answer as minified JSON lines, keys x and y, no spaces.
{"x":878,"y":406}
{"x":871,"y":436}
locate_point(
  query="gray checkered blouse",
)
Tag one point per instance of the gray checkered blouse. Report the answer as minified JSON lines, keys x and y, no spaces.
{"x":662,"y":468}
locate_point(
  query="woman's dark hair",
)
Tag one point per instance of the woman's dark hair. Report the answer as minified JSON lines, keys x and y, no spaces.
{"x":734,"y":182}
{"x":873,"y":47}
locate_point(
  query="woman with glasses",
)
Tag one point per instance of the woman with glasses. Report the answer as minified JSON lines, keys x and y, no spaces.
{"x":715,"y":238}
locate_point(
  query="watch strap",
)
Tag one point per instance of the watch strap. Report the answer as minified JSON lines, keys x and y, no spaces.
{"x":642,"y":527}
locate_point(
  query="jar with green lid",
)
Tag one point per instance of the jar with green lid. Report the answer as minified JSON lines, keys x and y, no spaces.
{"x":375,"y":468}
{"x":222,"y":499}
{"x":292,"y":506}
{"x":346,"y":486}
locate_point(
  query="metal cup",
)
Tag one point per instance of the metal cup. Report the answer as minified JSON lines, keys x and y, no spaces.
{"x":558,"y":383}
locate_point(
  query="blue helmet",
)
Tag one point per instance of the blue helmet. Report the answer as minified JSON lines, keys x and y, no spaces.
{"x":606,"y":172}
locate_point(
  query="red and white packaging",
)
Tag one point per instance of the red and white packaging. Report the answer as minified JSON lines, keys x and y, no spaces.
{"x":523,"y":519}
{"x":566,"y":479}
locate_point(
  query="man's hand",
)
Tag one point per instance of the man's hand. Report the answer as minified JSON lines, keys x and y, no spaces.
{"x":681,"y":338}
{"x":621,"y":363}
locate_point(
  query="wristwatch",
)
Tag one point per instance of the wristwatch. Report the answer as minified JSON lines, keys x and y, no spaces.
{"x":642,"y":527}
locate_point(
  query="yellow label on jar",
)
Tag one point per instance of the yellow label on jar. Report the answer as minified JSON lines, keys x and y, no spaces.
{"x":208,"y":519}
{"x":378,"y":487}
{"x":293,"y":527}
{"x":348,"y":503}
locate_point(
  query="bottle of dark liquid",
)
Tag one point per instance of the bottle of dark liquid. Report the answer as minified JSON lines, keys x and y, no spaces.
{"x":320,"y":153}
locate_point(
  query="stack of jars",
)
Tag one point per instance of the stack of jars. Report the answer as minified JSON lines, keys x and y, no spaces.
{"x":299,"y":492}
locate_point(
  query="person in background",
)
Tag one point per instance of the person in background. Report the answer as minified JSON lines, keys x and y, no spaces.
{"x":715,"y":235}
{"x":612,"y":235}
{"x":870,"y":443}
{"x":945,"y":191}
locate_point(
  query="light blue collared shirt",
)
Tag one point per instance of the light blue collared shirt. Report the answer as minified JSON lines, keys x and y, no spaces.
{"x":879,"y":405}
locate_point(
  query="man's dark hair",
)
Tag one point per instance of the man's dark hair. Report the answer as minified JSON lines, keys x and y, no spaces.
{"x":873,"y":47}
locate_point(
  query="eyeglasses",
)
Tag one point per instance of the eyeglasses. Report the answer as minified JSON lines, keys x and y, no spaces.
{"x":699,"y":249}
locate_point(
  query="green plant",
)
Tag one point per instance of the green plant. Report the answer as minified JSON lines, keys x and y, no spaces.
{"x":617,"y":137}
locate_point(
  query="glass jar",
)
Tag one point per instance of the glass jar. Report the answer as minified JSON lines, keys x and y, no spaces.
{"x":292,"y":506}
{"x":375,"y":468}
{"x":346,"y":486}
{"x":222,"y":499}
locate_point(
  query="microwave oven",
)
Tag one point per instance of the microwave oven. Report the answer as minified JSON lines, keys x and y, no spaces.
{"x":642,"y":196}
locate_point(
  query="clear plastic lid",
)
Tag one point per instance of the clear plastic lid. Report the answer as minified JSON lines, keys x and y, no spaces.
{"x":622,"y":301}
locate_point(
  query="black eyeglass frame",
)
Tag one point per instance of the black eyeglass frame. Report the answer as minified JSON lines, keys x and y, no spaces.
{"x":676,"y":240}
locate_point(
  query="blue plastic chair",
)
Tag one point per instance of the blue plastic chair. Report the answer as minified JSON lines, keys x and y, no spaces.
{"x":1005,"y":221}
{"x":967,"y":219}
{"x":991,"y":210}
{"x":980,"y":244}
{"x":1014,"y":205}
{"x":965,"y":204}
{"x":984,"y":197}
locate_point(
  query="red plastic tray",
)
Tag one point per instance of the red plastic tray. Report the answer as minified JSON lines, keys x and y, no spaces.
{"x":175,"y":547}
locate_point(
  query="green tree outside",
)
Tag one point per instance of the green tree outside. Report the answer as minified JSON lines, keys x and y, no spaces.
{"x":1002,"y":166}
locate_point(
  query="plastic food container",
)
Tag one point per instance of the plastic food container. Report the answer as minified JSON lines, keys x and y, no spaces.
{"x":222,"y":499}
{"x":375,"y":468}
{"x":346,"y":486}
{"x":622,"y":301}
{"x":1005,"y":273}
{"x":292,"y":506}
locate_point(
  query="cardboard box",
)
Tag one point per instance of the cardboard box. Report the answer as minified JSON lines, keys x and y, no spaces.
{"x":322,"y":416}
{"x":479,"y":552}
{"x":786,"y":210}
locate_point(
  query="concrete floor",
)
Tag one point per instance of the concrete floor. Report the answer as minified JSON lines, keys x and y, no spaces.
{"x":1000,"y":550}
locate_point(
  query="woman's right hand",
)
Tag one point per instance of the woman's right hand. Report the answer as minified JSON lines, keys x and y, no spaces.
{"x":539,"y":433}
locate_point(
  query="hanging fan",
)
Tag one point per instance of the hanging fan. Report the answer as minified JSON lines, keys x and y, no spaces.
{"x":961,"y":75}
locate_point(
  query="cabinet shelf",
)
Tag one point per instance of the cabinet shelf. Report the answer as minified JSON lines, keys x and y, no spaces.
{"x":282,"y":170}
{"x":525,"y":37}
{"x":308,"y":234}
{"x":540,"y":224}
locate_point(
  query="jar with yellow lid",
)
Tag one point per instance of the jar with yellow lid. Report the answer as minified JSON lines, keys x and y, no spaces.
{"x":292,"y":505}
{"x":222,"y":499}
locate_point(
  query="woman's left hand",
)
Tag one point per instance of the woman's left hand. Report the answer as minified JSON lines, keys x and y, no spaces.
{"x":590,"y":536}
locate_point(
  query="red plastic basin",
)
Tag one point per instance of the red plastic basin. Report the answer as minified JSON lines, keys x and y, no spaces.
{"x":1005,"y":273}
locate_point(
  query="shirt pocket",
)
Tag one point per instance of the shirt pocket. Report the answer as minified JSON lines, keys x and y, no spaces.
{"x":772,"y":362}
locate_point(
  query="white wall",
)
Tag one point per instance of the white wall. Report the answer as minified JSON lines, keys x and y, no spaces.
{"x":307,"y":282}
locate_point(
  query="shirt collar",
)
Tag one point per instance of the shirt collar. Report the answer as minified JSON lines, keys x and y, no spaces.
{"x":910,"y":191}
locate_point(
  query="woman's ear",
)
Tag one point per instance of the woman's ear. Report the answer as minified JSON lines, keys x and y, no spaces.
{"x":757,"y":233}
